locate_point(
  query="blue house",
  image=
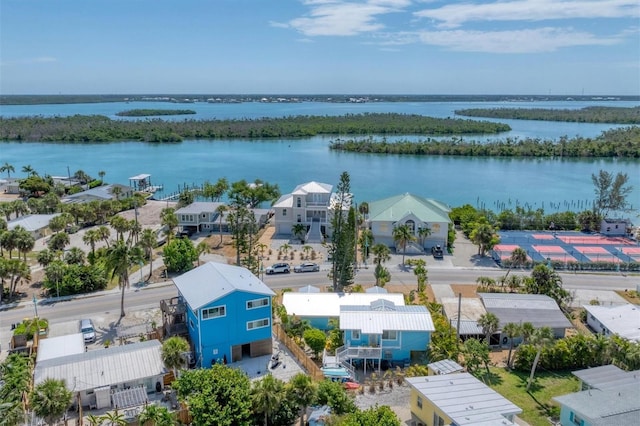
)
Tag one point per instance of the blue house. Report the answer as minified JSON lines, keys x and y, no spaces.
{"x":227,"y":313}
{"x":385,"y":331}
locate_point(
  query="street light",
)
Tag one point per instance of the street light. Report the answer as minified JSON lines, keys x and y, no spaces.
{"x":261,"y":271}
{"x":35,"y":305}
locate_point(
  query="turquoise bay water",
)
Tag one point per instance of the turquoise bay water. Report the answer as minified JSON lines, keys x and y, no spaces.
{"x":490,"y":182}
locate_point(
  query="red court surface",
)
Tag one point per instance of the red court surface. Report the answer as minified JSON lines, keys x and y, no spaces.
{"x":548,"y":249}
{"x":505,"y":250}
{"x":597,"y":239}
{"x":630,"y":250}
{"x":543,"y":236}
{"x":590,"y":250}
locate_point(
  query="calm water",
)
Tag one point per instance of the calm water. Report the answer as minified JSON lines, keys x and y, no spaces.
{"x":492,"y":182}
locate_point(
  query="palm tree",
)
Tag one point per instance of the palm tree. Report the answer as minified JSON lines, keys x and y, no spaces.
{"x":221,"y":210}
{"x":104,"y":234}
{"x":382,"y":275}
{"x":511,"y":330}
{"x":101,"y":173}
{"x":30,"y":171}
{"x":24,"y":241}
{"x":303,"y":391}
{"x":365,"y":241}
{"x":45,"y":257}
{"x":172,"y":353}
{"x":94,"y":420}
{"x":423,"y":233}
{"x":201,"y":249}
{"x":402,"y":236}
{"x":117,"y":191}
{"x":267,"y":394}
{"x":169,"y":220}
{"x":527,"y":330}
{"x":284,"y":248}
{"x":148,"y":242}
{"x":16,"y":270}
{"x":120,"y":225}
{"x":155,"y":415}
{"x":381,"y":253}
{"x":541,"y":338}
{"x":50,"y":399}
{"x":90,"y":238}
{"x":113,"y":418}
{"x":120,"y":258}
{"x":518,"y":258}
{"x":490,"y":324}
{"x":298,"y":230}
{"x":7,"y":168}
{"x":75,"y":256}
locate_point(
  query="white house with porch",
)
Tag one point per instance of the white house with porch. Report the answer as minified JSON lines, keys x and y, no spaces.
{"x":415,"y":212}
{"x":310,"y":204}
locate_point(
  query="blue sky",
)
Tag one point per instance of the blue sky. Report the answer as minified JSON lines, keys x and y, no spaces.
{"x":320,"y":46}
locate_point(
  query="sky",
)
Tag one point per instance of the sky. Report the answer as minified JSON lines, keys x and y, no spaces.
{"x":541,"y":47}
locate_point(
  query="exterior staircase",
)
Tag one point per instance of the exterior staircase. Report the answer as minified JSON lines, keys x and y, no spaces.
{"x":314,"y":235}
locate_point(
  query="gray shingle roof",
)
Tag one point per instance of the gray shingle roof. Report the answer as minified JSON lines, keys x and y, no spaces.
{"x":618,"y":406}
{"x":538,"y":309}
{"x":465,"y":399}
{"x":104,"y":367}
{"x":212,"y":281}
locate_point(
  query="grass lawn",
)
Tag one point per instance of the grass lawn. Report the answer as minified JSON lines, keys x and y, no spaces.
{"x":536,"y":404}
{"x":630,"y":296}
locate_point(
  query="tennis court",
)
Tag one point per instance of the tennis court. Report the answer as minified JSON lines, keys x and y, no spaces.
{"x":566,"y":246}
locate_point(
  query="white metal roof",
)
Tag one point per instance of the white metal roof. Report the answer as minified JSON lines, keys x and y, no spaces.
{"x":465,"y":399}
{"x":328,"y":304}
{"x":55,"y":347}
{"x":309,"y":289}
{"x":446,"y":366}
{"x":104,"y":367}
{"x":376,"y":289}
{"x":607,"y":376}
{"x":198,"y":207}
{"x":375,"y":319}
{"x":623,"y":320}
{"x":32,"y":222}
{"x":312,"y":187}
{"x":212,"y":280}
{"x":140,"y":176}
{"x":284,"y":201}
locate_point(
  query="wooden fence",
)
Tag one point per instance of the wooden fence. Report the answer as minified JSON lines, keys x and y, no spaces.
{"x":312,"y":368}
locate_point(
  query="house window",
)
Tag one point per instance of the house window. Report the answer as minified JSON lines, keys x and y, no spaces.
{"x":258,"y":303}
{"x":299,"y":202}
{"x":389,"y":335}
{"x":284,"y":212}
{"x":299,"y":218}
{"x":355,"y":334}
{"x":218,"y":311}
{"x":437,"y":420}
{"x":419,"y":402}
{"x":412,"y":226}
{"x":261,"y":323}
{"x":191,"y":324}
{"x":575,"y":419}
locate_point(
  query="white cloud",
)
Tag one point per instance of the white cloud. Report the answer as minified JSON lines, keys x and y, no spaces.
{"x":340,"y":18}
{"x":454,"y":15}
{"x":517,"y":41}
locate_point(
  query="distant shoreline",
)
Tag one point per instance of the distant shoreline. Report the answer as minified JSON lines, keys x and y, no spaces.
{"x":291,"y":98}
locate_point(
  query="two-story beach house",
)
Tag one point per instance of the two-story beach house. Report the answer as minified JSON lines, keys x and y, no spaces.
{"x":206,"y":216}
{"x":415,"y":212}
{"x":227,"y":313}
{"x":383,"y":331}
{"x":310,"y":204}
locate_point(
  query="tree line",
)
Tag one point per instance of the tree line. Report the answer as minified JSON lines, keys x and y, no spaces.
{"x":614,"y":143}
{"x":593,"y":114}
{"x":150,"y":112}
{"x":97,"y":128}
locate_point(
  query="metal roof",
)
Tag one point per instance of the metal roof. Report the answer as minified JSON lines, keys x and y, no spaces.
{"x":465,"y":399}
{"x":326,"y":305}
{"x":212,"y":281}
{"x":199,"y":207}
{"x":309,"y":289}
{"x":623,"y":320}
{"x":618,"y":406}
{"x":471,"y":308}
{"x":104,"y":367}
{"x":285,"y":200}
{"x":380,"y":316}
{"x":376,"y":289}
{"x":312,"y":187}
{"x":55,"y":347}
{"x":397,"y":207}
{"x":140,"y":176}
{"x":446,"y":366}
{"x":538,"y":309}
{"x":32,"y":222}
{"x":467,"y":327}
{"x":607,"y":376}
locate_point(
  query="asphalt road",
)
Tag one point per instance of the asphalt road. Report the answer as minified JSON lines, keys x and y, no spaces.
{"x":149,"y":297}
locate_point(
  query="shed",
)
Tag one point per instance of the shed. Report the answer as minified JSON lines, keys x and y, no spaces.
{"x":446,"y":366}
{"x":606,"y":377}
{"x":56,"y":347}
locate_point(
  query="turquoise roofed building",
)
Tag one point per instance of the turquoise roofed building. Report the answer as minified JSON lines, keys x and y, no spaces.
{"x":414,"y":211}
{"x":227,"y":312}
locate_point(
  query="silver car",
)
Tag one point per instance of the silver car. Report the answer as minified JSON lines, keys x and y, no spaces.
{"x":87,"y":330}
{"x":307,"y":267}
{"x":278,"y":268}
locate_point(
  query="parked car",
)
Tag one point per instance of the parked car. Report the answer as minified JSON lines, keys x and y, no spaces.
{"x":278,"y":268}
{"x":307,"y":267}
{"x":437,"y":252}
{"x":87,"y":330}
